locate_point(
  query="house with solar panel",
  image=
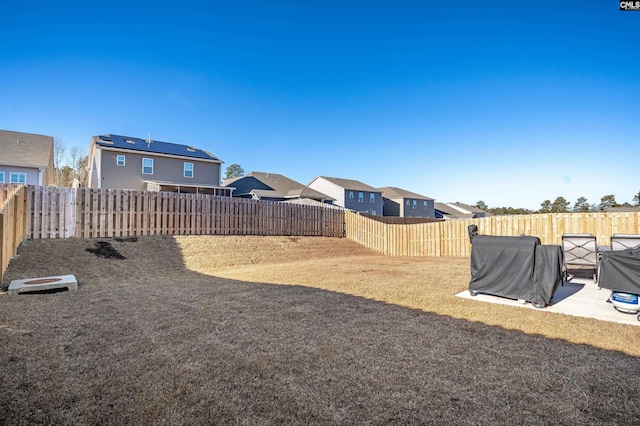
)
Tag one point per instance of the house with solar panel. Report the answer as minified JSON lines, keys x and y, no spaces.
{"x":124,"y":162}
{"x":26,"y":158}
{"x":350,"y":194}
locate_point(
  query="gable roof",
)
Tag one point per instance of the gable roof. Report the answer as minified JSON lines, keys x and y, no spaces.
{"x":153,"y":147}
{"x":351,"y":184}
{"x":391,"y":192}
{"x":458,"y":210}
{"x":272,"y":185}
{"x":25,"y":149}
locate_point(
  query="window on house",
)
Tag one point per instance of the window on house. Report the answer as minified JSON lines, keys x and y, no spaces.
{"x":119,"y":160}
{"x":408,"y":202}
{"x":372,"y":198}
{"x":415,"y":204}
{"x":18,"y":177}
{"x":425,"y":204}
{"x":188,"y":170}
{"x":350,"y":194}
{"x":360,"y":197}
{"x":147,"y":166}
{"x":1,"y":177}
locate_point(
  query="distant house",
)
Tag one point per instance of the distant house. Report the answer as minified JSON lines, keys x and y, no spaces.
{"x":351,"y":194}
{"x":403,"y":203}
{"x":457,"y":211}
{"x":272,"y":187}
{"x":124,"y":162}
{"x":26,"y":158}
{"x":623,"y":209}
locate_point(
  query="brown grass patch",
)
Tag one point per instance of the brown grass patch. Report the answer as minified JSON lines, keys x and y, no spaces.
{"x":263,"y":330}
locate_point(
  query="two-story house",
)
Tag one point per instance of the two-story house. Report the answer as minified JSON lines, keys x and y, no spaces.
{"x":26,"y":158}
{"x":402,"y":203}
{"x":350,"y":194}
{"x":272,"y":187}
{"x":124,"y":162}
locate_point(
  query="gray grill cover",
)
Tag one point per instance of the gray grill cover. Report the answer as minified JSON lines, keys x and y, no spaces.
{"x":620,"y":271}
{"x":515,"y":267}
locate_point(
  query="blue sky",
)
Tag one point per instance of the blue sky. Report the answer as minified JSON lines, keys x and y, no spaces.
{"x":512,"y":103}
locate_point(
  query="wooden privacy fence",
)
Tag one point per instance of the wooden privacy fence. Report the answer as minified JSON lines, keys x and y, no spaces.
{"x":89,"y":213}
{"x":13,"y":228}
{"x":451,"y":238}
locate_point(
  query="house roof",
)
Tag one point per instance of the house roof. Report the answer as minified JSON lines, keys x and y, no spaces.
{"x":351,"y":184}
{"x":458,"y":210}
{"x":153,"y":146}
{"x":391,"y":192}
{"x":272,"y":185}
{"x":25,"y":149}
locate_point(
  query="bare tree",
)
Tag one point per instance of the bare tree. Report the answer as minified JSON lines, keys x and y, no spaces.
{"x":58,"y":155}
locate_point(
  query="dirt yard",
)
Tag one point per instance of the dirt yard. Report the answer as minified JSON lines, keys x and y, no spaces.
{"x":264,"y":330}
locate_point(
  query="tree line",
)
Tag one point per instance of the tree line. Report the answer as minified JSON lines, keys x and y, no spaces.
{"x":561,"y":205}
{"x":71,"y":168}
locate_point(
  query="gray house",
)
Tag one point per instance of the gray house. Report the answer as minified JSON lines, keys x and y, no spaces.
{"x":403,"y":203}
{"x":273,"y":187}
{"x":26,"y":158}
{"x":350,"y":194}
{"x":123,"y":162}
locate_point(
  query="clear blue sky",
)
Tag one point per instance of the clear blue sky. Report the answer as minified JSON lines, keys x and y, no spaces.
{"x":507,"y":102}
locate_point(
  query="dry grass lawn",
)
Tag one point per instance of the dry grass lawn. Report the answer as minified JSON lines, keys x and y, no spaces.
{"x":264,"y":330}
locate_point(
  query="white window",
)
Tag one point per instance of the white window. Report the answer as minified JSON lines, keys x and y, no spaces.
{"x":188,"y":170}
{"x":415,"y":204}
{"x":350,"y":194}
{"x":1,"y":177}
{"x":360,"y":197}
{"x":425,"y":204}
{"x":18,"y":177}
{"x":408,"y":202}
{"x":119,"y":160}
{"x":372,"y":198}
{"x":147,"y":166}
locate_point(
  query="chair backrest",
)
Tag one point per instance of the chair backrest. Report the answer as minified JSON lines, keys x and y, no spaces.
{"x":580,"y":249}
{"x":625,"y":241}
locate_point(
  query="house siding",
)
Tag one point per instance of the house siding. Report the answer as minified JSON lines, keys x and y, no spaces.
{"x":364,"y":206}
{"x":331,"y":189}
{"x":168,"y":169}
{"x":32,"y":176}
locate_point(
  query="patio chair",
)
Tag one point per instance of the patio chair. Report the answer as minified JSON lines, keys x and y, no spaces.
{"x":625,"y":241}
{"x":580,"y":251}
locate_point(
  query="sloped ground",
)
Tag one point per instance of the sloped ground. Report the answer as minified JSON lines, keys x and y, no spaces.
{"x":263,"y":330}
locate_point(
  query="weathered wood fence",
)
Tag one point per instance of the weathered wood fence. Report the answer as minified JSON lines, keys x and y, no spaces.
{"x":89,"y":213}
{"x":13,"y":227}
{"x":451,"y":238}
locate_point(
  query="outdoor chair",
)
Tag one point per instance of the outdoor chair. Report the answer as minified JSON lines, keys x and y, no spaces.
{"x":625,"y":241}
{"x":581,"y":252}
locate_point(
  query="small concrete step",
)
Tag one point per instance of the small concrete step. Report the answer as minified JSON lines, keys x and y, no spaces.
{"x":45,"y":283}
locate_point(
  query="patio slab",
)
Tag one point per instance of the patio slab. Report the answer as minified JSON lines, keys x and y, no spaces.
{"x":579,"y":297}
{"x":45,"y":283}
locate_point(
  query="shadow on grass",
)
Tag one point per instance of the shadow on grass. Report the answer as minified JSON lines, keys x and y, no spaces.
{"x":146,"y":341}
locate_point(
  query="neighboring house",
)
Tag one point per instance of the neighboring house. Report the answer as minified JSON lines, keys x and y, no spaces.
{"x":402,"y":203}
{"x":457,"y":211}
{"x":26,"y":158}
{"x":272,"y":187}
{"x":123,"y":162}
{"x":351,"y":194}
{"x":623,"y":209}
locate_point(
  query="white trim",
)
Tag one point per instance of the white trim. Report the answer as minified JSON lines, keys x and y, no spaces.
{"x":143,"y":166}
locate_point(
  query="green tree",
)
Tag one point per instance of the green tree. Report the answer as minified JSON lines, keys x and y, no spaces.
{"x":581,"y":205}
{"x":636,"y":199}
{"x":482,"y":206}
{"x":545,"y":206}
{"x":607,"y":202}
{"x":560,"y":205}
{"x":234,"y":170}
